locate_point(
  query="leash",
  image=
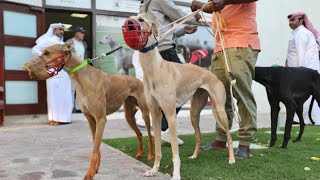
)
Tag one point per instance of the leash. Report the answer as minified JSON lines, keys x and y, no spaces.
{"x":182,"y":21}
{"x":91,"y":61}
{"x":233,"y":81}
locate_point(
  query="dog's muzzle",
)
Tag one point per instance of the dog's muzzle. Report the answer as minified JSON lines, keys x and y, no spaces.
{"x":133,"y":36}
{"x":58,"y":65}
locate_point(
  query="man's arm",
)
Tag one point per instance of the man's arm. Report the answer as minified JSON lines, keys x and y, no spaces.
{"x":301,"y":41}
{"x":168,"y":8}
{"x":217,"y":5}
{"x":239,"y":1}
{"x":36,"y":50}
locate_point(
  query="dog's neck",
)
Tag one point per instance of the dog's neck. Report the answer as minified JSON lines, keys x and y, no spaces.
{"x":154,"y":43}
{"x":72,"y":62}
{"x":81,"y":79}
{"x":112,"y":44}
{"x":151,"y":59}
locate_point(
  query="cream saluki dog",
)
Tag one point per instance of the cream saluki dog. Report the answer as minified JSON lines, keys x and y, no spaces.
{"x":101,"y":94}
{"x":169,"y":85}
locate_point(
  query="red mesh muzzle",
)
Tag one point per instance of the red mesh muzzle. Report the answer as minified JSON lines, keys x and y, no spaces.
{"x":133,"y":36}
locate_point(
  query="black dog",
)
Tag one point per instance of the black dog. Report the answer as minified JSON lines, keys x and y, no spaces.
{"x":291,"y":86}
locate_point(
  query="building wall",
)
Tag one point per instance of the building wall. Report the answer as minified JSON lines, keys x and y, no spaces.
{"x":274,"y":33}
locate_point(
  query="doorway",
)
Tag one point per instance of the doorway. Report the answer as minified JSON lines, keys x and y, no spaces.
{"x":71,"y":19}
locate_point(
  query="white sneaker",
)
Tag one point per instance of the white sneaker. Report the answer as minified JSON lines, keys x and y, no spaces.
{"x":165,"y":137}
{"x":141,"y":124}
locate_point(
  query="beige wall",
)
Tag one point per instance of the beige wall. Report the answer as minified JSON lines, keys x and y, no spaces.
{"x":274,"y":34}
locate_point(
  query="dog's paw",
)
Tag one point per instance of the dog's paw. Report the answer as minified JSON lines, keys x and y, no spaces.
{"x":177,"y":177}
{"x":232,"y":161}
{"x":296,"y":140}
{"x":283,"y":146}
{"x":193,"y":157}
{"x":151,"y":173}
{"x":139,"y":155}
{"x":150,"y":157}
{"x":89,"y":175}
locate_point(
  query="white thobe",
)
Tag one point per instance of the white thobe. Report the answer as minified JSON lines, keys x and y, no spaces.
{"x":303,"y":51}
{"x":59,"y":97}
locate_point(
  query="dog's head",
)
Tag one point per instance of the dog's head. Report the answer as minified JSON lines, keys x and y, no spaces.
{"x":145,"y":24}
{"x":106,"y":40}
{"x":56,"y":57}
{"x":56,"y":53}
{"x":137,"y":32}
{"x":49,"y":64}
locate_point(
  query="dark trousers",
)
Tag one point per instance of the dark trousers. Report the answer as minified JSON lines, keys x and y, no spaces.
{"x":171,"y":56}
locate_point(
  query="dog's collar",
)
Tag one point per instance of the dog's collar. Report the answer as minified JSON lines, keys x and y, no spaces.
{"x":82,"y":65}
{"x":144,"y":50}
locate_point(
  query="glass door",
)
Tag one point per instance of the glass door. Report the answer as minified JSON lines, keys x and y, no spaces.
{"x":21,"y":25}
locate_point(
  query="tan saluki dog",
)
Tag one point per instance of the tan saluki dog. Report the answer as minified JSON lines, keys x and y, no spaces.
{"x":102,"y":94}
{"x":169,"y":85}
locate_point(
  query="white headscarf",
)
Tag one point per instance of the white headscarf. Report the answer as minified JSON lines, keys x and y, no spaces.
{"x":47,"y":39}
{"x":49,"y":33}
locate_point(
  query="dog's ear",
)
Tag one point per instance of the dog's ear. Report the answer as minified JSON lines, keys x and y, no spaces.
{"x":67,"y":47}
{"x":154,"y":28}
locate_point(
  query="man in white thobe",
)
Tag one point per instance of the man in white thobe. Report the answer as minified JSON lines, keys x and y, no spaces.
{"x":303,"y":51}
{"x":80,"y":48}
{"x":59,"y":98}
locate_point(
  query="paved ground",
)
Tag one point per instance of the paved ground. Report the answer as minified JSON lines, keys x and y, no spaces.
{"x":30,"y":149}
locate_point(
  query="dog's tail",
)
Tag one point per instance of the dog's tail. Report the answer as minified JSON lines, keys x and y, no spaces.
{"x":310,"y":110}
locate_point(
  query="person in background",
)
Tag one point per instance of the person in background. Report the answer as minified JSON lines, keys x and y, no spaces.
{"x":303,"y":50}
{"x":80,"y":48}
{"x":242,"y":46}
{"x":59,"y":98}
{"x":163,"y":13}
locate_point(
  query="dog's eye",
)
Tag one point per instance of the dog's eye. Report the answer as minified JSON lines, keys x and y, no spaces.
{"x":140,"y":20}
{"x":46,"y":53}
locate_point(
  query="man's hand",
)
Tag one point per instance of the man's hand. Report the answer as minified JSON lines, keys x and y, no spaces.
{"x":214,"y":6}
{"x":190,"y":29}
{"x":218,"y":5}
{"x":198,"y":17}
{"x":195,"y":5}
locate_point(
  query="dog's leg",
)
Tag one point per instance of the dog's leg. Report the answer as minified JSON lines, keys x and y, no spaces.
{"x":291,"y":107}
{"x":92,"y":125}
{"x":170,"y":113}
{"x":95,"y":155}
{"x":130,"y":110}
{"x":198,"y":102}
{"x":156,"y":122}
{"x":218,"y":99}
{"x":146,"y":117}
{"x":91,"y":121}
{"x":301,"y":120}
{"x":126,"y":70}
{"x":275,"y":108}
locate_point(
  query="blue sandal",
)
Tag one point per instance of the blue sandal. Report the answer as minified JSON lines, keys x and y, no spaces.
{"x":207,"y":147}
{"x":242,"y":155}
{"x":210,"y":147}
